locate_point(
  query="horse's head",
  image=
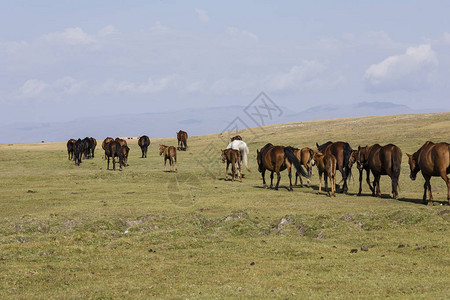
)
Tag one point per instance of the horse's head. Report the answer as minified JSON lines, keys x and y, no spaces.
{"x":362,"y":157}
{"x":161,"y":149}
{"x":317,"y":156}
{"x":353,"y":158}
{"x":413,"y":166}
{"x":224,"y":156}
{"x":259,"y":159}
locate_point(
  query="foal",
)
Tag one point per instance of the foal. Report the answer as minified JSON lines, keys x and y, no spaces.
{"x":305,"y":157}
{"x":233,"y":157}
{"x":170,"y":153}
{"x":326,"y":163}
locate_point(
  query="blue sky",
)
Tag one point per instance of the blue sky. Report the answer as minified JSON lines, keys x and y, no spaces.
{"x":63,"y":60}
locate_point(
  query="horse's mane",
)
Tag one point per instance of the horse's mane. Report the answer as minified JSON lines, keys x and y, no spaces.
{"x":321,"y":147}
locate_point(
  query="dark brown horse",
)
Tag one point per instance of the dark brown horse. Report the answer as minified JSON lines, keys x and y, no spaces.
{"x":364,"y":153}
{"x":170,"y":153}
{"x":93,"y":145}
{"x":70,"y":145}
{"x":123,"y":144}
{"x":380,"y":160}
{"x":113,"y":150}
{"x":236,"y":138}
{"x":326,"y":165}
{"x":78,"y":151}
{"x":433,"y":160}
{"x":182,"y":137}
{"x":105,"y":143}
{"x":277,"y":159}
{"x":144,"y":142}
{"x":305,"y":156}
{"x":233,"y":157}
{"x":342,"y":151}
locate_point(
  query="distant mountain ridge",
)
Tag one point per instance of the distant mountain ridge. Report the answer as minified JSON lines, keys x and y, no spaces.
{"x":195,"y":121}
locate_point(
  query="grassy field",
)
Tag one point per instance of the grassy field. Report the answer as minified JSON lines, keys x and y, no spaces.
{"x":86,"y":232}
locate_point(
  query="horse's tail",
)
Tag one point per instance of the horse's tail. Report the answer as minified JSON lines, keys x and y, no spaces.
{"x":245,"y":158}
{"x":185,"y":141}
{"x":396,"y":158}
{"x":289,"y":153}
{"x":347,"y":154}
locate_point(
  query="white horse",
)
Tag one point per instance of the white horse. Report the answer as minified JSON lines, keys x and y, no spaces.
{"x":243,"y":149}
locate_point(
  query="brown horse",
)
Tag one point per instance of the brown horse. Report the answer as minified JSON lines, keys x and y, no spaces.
{"x":182,"y":137}
{"x":277,"y":159}
{"x":364,"y":153}
{"x":433,"y":160}
{"x":170,"y":153}
{"x":236,"y":138}
{"x":70,"y":145}
{"x":305,"y":156}
{"x":144,"y":142}
{"x":93,"y":145}
{"x":342,"y":151}
{"x":232,"y":157}
{"x":105,"y":143}
{"x":123,"y":144}
{"x":113,"y":150}
{"x":380,"y":160}
{"x":326,"y":165}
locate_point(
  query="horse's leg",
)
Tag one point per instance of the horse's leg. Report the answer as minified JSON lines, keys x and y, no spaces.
{"x":368,"y":181}
{"x":233,"y":168}
{"x":430,"y":202}
{"x":226,"y":171}
{"x":108,"y":163}
{"x":360,"y":182}
{"x":263,"y":174}
{"x":325,"y":177}
{"x":271,"y":179}
{"x":278,"y":180}
{"x":290,"y":179}
{"x":378,"y":178}
{"x":320,"y":182}
{"x":394,"y":180}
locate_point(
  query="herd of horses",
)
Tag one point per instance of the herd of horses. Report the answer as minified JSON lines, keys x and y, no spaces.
{"x":432,"y":159}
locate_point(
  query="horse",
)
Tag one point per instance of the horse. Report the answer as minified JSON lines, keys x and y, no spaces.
{"x":277,"y":159}
{"x":361,"y":168}
{"x":380,"y":160}
{"x":305,"y":156}
{"x":78,"y":151}
{"x":87,"y":147}
{"x":125,"y":150}
{"x":93,"y":145}
{"x":326,"y":164}
{"x":243,"y":149}
{"x":170,"y":153}
{"x":233,"y":157}
{"x":433,"y":160}
{"x":105,"y":143}
{"x":123,"y":143}
{"x":342,"y":151}
{"x":182,"y":137}
{"x":144,"y":142}
{"x":70,"y":145}
{"x":236,"y":138}
{"x":113,"y":150}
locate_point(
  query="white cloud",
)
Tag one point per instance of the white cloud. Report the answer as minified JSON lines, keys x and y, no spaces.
{"x":308,"y":75}
{"x":238,"y":33}
{"x":71,"y":36}
{"x":64,"y":86}
{"x":150,"y":86}
{"x":107,"y":30}
{"x":32,"y":88}
{"x":13,"y":47}
{"x":202,"y":15}
{"x":410,"y":71}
